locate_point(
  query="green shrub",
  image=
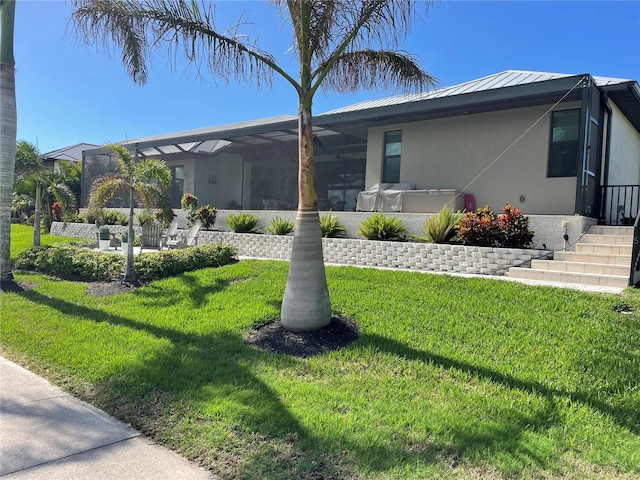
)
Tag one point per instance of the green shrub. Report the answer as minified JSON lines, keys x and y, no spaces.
{"x":72,"y":261}
{"x":104,"y":233}
{"x":113,"y":217}
{"x":157,"y":265}
{"x":379,"y":227}
{"x":90,"y":216}
{"x":74,"y":218}
{"x":280,"y":226}
{"x":330,"y":226}
{"x":145,"y":218}
{"x":441,"y":227}
{"x":124,"y":237}
{"x":242,"y":222}
{"x":485,"y":228}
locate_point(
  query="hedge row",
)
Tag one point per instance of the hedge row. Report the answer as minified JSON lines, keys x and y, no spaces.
{"x":72,"y":261}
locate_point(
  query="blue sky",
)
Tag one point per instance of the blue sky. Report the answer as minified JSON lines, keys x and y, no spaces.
{"x":68,"y":92}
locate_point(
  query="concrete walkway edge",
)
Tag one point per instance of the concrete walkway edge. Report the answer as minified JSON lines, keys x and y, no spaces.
{"x":46,"y":433}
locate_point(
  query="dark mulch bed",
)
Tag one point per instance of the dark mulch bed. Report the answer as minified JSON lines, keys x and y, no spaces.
{"x":274,"y":338}
{"x":104,"y":289}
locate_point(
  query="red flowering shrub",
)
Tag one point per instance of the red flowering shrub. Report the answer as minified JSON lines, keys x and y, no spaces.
{"x":486,"y":229}
{"x":56,"y":212}
{"x":514,"y":228}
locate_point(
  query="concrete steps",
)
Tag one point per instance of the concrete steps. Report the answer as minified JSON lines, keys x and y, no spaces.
{"x":602,"y":257}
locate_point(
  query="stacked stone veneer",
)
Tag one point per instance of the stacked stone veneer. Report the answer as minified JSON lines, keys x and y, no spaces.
{"x":370,"y":253}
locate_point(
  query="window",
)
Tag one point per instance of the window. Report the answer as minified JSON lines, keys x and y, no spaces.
{"x":563,"y":151}
{"x":392,"y":152}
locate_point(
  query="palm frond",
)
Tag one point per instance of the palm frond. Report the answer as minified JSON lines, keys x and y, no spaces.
{"x":121,"y":22}
{"x":151,"y":195}
{"x":125,"y":161}
{"x":104,"y":189}
{"x":137,"y":26}
{"x":150,"y":169}
{"x":64,"y":196}
{"x":368,"y":69}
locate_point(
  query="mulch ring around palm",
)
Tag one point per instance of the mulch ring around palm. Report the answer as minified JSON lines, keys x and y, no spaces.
{"x":274,"y":338}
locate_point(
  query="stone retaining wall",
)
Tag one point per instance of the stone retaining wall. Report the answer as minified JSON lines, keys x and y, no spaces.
{"x":368,"y":253}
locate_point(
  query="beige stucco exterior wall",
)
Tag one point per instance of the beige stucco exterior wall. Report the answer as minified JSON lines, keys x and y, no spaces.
{"x":624,"y":155}
{"x":452,"y":152}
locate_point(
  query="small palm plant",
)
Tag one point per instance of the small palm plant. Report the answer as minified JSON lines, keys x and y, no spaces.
{"x":145,"y":181}
{"x":280,"y":226}
{"x":242,"y":222}
{"x":379,"y":227}
{"x":330,"y":226}
{"x":442,"y":227}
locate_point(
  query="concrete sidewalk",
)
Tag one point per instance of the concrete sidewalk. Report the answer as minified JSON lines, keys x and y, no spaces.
{"x":47,"y":434}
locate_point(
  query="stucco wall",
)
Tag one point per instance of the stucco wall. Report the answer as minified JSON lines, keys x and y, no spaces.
{"x":452,"y":152}
{"x":624,"y":155}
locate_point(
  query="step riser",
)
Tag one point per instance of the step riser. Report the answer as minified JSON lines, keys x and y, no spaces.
{"x":605,"y":249}
{"x":567,"y":277}
{"x":576,"y":267}
{"x":592,"y":258}
{"x":608,"y":239}
{"x":608,"y":230}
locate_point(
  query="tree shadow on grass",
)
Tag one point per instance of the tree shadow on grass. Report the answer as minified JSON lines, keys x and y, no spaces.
{"x":203,"y":388}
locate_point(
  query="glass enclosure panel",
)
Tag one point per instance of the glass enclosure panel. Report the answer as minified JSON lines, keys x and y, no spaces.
{"x":94,"y":166}
{"x":274,"y":184}
{"x":177,"y":185}
{"x":336,"y":181}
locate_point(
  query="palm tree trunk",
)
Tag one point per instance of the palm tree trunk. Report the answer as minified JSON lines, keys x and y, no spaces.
{"x":8,"y":130}
{"x":130,"y":272}
{"x":36,"y":220}
{"x":306,"y":304}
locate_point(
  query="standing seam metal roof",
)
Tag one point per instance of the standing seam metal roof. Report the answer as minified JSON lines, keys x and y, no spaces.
{"x":508,"y":78}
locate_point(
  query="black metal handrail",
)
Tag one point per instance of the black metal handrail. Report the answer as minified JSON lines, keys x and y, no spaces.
{"x":620,"y":204}
{"x":634,"y":278}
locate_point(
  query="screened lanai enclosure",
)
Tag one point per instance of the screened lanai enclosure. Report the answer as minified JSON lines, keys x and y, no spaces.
{"x":251,"y":165}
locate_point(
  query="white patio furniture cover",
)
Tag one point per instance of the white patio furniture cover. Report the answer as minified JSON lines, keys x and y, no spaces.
{"x":383,"y":197}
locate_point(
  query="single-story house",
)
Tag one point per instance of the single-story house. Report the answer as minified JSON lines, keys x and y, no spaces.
{"x":549,"y":144}
{"x":70,"y":154}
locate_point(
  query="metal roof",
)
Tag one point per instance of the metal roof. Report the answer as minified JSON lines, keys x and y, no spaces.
{"x":72,"y":153}
{"x":504,"y":90}
{"x":508,"y":78}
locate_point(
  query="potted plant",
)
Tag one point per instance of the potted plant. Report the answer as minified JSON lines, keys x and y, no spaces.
{"x":104,"y":236}
{"x":124,"y":240}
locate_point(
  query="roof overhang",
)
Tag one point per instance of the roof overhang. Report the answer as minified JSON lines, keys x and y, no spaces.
{"x":626,"y":96}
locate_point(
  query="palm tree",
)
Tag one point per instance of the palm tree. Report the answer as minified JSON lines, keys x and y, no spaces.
{"x":144,"y":181}
{"x":32,"y":175}
{"x":8,"y":129}
{"x":332,"y":40}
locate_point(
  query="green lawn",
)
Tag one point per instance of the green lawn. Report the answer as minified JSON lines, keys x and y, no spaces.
{"x":22,"y":239}
{"x":450,"y":378}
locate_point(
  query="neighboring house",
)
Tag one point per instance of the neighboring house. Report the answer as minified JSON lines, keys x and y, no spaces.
{"x":72,"y":154}
{"x":550,"y":144}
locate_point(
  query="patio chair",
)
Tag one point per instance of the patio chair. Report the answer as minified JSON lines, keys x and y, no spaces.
{"x":170,"y":234}
{"x":188,"y":240}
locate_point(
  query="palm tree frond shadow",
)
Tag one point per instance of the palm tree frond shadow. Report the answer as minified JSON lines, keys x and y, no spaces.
{"x":627,"y":417}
